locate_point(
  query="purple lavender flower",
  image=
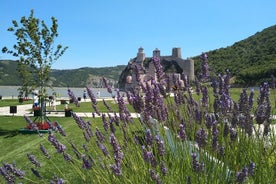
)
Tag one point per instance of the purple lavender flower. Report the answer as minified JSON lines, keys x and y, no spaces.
{"x":118,"y":154}
{"x":163,"y":168}
{"x":57,"y":180}
{"x":86,"y":163}
{"x":197,"y":167}
{"x":60,"y":129}
{"x":107,"y":86}
{"x":260,"y":114}
{"x":103,"y":148}
{"x":145,"y":154}
{"x":263,"y":110}
{"x":204,"y":75}
{"x":10,"y":169}
{"x":137,"y":73}
{"x":233,"y":134}
{"x":80,"y":122}
{"x":209,"y":120}
{"x":85,"y":147}
{"x":148,"y":137}
{"x":67,"y":157}
{"x":73,"y":145}
{"x":73,"y":97}
{"x":89,"y":131}
{"x":214,"y":137}
{"x":251,"y":168}
{"x":33,"y":159}
{"x":158,"y":67}
{"x":227,"y":78}
{"x":149,"y":157}
{"x":197,"y":114}
{"x":155,"y":177}
{"x":116,"y":119}
{"x":235,"y":115}
{"x":44,"y":151}
{"x":201,"y":138}
{"x":226,"y":129}
{"x":251,"y":99}
{"x":99,"y":135}
{"x":53,"y":140}
{"x":152,"y":159}
{"x":221,"y":151}
{"x":117,"y":170}
{"x":105,"y":124}
{"x":243,"y":102}
{"x":86,"y":136}
{"x":36,"y":173}
{"x":8,"y":177}
{"x":242,"y":175}
{"x":91,"y":95}
{"x":182,"y":133}
{"x":160,"y":146}
{"x":107,"y":106}
{"x":31,"y":123}
{"x":225,"y":103}
{"x":96,"y":109}
{"x":205,"y":97}
{"x":111,"y":125}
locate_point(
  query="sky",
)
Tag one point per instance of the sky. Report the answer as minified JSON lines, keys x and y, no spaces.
{"x":101,"y":33}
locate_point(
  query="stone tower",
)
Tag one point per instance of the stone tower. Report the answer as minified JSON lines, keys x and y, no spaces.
{"x":156,"y":53}
{"x":140,"y":55}
{"x":189,"y":69}
{"x":176,"y":52}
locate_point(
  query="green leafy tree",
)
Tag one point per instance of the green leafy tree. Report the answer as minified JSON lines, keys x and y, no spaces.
{"x":36,"y":50}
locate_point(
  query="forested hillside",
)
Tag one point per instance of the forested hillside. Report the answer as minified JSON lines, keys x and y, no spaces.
{"x":86,"y":76}
{"x":8,"y":73}
{"x":63,"y":78}
{"x":251,"y":60}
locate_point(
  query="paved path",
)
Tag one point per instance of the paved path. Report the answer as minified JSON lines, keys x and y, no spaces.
{"x":25,"y":109}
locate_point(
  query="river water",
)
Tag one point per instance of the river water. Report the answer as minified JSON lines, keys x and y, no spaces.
{"x":12,"y":92}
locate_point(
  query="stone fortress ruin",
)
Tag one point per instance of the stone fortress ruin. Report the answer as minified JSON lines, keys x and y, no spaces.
{"x":173,"y":66}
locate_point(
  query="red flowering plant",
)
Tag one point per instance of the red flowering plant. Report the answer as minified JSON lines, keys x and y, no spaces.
{"x":39,"y":125}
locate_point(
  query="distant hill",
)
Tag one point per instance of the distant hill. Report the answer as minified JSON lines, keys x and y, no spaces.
{"x":250,"y":61}
{"x":8,"y":74}
{"x":64,"y":78}
{"x":86,"y":76}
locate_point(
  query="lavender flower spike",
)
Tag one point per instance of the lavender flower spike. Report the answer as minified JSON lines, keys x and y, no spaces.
{"x":201,"y":138}
{"x":33,"y":160}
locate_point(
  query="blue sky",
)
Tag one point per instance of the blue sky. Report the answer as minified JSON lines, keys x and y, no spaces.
{"x":103,"y":33}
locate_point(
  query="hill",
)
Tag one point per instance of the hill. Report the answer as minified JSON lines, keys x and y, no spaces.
{"x":64,"y":78}
{"x":251,"y":60}
{"x":86,"y":76}
{"x":8,"y":75}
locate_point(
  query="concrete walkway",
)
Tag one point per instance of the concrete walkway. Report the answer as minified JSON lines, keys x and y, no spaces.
{"x":25,"y":109}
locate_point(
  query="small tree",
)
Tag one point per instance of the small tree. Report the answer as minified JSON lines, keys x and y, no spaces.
{"x":36,"y":51}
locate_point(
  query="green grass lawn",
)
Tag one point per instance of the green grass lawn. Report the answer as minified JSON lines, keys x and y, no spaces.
{"x":12,"y":102}
{"x":15,"y":145}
